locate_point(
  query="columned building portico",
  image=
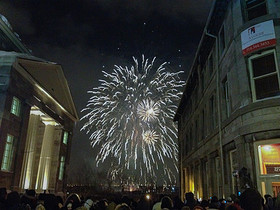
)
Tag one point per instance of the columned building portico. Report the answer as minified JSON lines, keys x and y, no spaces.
{"x":37,"y":118}
{"x":41,"y":155}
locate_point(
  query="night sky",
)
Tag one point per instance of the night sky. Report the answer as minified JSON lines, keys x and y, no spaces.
{"x":88,"y":36}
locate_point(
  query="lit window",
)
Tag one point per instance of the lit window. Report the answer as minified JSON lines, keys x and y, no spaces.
{"x":255,"y":8}
{"x":61,"y":168}
{"x":65,"y":137}
{"x":264,"y":75}
{"x":8,"y":154}
{"x":15,"y":108}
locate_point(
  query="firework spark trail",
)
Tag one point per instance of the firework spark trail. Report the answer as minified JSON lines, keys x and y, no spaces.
{"x":130,"y":117}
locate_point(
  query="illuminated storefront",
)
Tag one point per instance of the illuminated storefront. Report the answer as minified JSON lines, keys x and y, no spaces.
{"x":268,"y":167}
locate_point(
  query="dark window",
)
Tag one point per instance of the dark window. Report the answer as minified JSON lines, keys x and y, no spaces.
{"x":222,"y":40}
{"x":189,"y":142}
{"x":264,"y":76}
{"x":191,"y":139}
{"x":205,"y":123}
{"x":263,"y":65}
{"x":202,"y":125}
{"x":255,"y":8}
{"x":267,"y":87}
{"x":212,"y":110}
{"x":210,"y":64}
{"x":226,"y":96}
{"x":202,"y":80}
{"x":186,"y":144}
{"x":196,"y":132}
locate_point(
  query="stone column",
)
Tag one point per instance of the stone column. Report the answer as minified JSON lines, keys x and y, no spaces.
{"x":43,"y":175}
{"x":55,"y":163}
{"x":29,"y":152}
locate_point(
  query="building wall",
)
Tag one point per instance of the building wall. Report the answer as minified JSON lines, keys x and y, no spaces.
{"x":36,"y":144}
{"x":15,"y":126}
{"x":238,"y":124}
{"x":22,"y":129}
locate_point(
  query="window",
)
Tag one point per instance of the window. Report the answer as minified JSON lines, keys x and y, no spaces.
{"x":212,"y":111}
{"x":202,"y":125}
{"x":202,"y":80}
{"x":61,"y":167}
{"x":205,"y":123}
{"x":191,"y":139}
{"x":196,"y":132}
{"x":255,"y":8}
{"x":186,"y":144}
{"x":264,"y":75}
{"x":65,"y":137}
{"x":222,"y":43}
{"x":226,"y":96}
{"x":8,"y":153}
{"x":210,"y":64}
{"x":15,"y":108}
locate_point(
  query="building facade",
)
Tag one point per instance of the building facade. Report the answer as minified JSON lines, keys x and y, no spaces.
{"x":229,"y":114}
{"x":37,"y":117}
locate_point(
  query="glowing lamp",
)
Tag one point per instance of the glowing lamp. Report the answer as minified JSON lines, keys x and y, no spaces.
{"x":267,"y":148}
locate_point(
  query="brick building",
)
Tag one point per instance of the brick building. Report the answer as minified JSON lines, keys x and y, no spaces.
{"x":229,"y":114}
{"x":37,"y":116}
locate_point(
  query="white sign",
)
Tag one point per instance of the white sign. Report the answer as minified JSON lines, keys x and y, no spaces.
{"x":257,"y":37}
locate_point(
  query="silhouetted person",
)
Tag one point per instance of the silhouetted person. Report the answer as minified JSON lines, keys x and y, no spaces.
{"x":190,"y":201}
{"x":29,"y":199}
{"x":251,"y":199}
{"x":214,"y":203}
{"x":166,"y":203}
{"x":13,"y":200}
{"x":50,"y":202}
{"x":73,"y":201}
{"x":3,"y":197}
{"x":177,"y":203}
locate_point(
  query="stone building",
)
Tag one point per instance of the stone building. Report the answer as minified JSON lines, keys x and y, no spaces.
{"x":229,"y":115}
{"x":37,"y":116}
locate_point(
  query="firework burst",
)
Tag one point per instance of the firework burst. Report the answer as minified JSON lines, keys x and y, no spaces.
{"x":130,"y":118}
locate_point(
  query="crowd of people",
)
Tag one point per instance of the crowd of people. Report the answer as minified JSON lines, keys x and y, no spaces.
{"x":250,"y":199}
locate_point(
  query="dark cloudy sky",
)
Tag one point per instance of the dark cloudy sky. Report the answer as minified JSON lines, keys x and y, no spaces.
{"x":88,"y":36}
